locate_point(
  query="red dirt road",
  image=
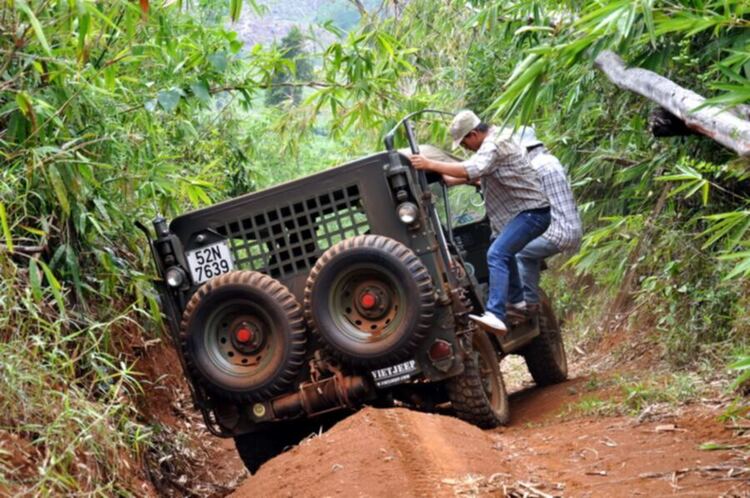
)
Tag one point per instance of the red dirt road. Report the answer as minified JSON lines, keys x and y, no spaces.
{"x":400,"y":453}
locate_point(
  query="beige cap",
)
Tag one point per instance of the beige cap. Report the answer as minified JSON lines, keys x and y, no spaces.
{"x":462,"y":124}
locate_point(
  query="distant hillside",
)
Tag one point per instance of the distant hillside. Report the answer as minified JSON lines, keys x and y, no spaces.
{"x":282,"y":15}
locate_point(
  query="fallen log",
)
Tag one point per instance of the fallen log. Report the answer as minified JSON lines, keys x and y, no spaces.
{"x":722,"y":126}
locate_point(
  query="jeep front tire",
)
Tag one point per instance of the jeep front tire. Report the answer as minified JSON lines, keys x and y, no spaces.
{"x":478,"y":395}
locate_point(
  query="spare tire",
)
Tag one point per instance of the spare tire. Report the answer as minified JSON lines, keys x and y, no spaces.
{"x":370,"y":300}
{"x":243,"y":336}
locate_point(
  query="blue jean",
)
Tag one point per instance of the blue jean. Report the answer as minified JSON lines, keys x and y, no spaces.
{"x":529,"y":265}
{"x":501,"y":257}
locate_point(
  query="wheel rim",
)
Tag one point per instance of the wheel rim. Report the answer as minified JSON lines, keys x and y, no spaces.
{"x":238,"y":339}
{"x":367,"y":304}
{"x":489,"y":369}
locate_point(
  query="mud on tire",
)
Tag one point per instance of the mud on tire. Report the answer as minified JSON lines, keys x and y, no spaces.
{"x":370,"y":301}
{"x":243,"y":336}
{"x":478,"y":395}
{"x":545,"y":355}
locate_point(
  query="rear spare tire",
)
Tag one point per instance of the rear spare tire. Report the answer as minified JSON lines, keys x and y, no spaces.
{"x":370,"y":300}
{"x":545,"y":355}
{"x":243,"y":336}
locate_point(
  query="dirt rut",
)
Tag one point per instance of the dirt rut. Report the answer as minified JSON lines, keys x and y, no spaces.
{"x":397,"y":452}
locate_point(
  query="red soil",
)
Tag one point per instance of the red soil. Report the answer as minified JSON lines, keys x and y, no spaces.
{"x":397,"y":452}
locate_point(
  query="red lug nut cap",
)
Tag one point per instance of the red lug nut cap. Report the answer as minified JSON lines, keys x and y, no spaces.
{"x":367,"y":301}
{"x":244,"y":335}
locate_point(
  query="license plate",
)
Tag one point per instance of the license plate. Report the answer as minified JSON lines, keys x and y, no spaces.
{"x":209,"y":261}
{"x":395,"y":374}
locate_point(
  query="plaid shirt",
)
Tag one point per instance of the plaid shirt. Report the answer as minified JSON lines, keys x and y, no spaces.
{"x":565,"y":228}
{"x":509,"y":183}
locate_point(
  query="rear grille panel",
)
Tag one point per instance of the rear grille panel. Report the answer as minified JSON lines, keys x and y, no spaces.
{"x":288,"y":239}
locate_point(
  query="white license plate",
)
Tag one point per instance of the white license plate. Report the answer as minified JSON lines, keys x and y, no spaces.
{"x":209,"y":261}
{"x":395,"y":374}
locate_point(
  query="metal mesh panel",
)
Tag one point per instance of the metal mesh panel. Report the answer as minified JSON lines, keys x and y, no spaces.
{"x":289,"y":239}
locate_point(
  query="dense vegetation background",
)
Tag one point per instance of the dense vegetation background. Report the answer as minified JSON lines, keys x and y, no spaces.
{"x":116,"y":111}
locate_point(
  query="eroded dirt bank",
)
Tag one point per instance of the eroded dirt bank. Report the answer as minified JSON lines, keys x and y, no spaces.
{"x":397,"y":452}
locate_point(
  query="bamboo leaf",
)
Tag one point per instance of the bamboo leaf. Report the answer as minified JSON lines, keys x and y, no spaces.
{"x":59,"y":188}
{"x":648,"y":18}
{"x":219,"y":61}
{"x":741,"y":364}
{"x":84,"y":22}
{"x":6,"y":228}
{"x":55,"y":287}
{"x":35,"y":25}
{"x":168,"y":99}
{"x":200,"y":90}
{"x":235,"y":9}
{"x":742,"y":268}
{"x":35,"y":280}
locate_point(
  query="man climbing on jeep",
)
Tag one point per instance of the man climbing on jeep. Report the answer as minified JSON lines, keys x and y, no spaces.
{"x":516,"y":205}
{"x":564,"y":232}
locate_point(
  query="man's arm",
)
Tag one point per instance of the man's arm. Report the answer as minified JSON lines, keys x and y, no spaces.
{"x":456,"y":170}
{"x":452,"y":181}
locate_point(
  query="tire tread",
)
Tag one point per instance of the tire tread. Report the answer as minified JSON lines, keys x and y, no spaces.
{"x":297,"y":334}
{"x":415,"y":267}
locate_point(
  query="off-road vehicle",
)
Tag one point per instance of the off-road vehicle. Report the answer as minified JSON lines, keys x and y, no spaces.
{"x":347,"y":287}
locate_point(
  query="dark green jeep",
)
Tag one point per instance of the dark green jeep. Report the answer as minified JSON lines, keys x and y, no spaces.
{"x":307,"y":300}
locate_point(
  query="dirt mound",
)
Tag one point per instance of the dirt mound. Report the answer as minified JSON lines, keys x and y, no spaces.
{"x":397,"y":452}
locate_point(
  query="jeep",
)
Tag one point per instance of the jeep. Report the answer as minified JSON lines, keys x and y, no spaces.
{"x":292,"y":306}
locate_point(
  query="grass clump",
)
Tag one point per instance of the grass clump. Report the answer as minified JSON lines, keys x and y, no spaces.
{"x":633,"y":397}
{"x":84,"y":435}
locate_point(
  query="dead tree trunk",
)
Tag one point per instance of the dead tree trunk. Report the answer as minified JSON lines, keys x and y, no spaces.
{"x":722,"y":126}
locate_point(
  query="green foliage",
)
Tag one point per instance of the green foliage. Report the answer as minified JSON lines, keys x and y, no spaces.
{"x":298,"y":70}
{"x":108,"y":115}
{"x":637,"y":395}
{"x":742,"y":366}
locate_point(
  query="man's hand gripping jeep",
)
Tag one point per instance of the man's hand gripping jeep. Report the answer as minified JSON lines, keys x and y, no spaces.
{"x":301,"y":302}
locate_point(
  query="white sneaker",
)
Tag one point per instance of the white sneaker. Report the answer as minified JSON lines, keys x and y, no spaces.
{"x":490,"y":322}
{"x":520,"y":305}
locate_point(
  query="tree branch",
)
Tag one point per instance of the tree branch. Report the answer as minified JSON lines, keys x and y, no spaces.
{"x":722,"y":126}
{"x":23,"y":249}
{"x":360,"y":7}
{"x":280,"y":84}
